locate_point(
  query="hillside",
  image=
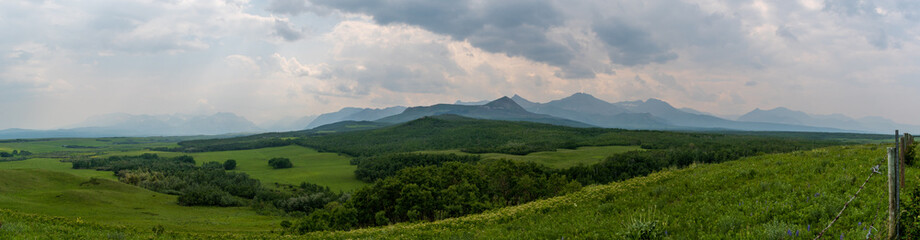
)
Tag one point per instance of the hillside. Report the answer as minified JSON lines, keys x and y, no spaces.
{"x":764,"y":197}
{"x":650,"y":114}
{"x":108,"y":202}
{"x":588,"y":109}
{"x":501,"y":109}
{"x":354,"y":114}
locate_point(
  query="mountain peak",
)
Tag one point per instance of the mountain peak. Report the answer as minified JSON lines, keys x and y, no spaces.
{"x":504,"y":103}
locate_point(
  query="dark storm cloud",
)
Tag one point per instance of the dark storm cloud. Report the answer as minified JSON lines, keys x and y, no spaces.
{"x":633,"y":34}
{"x":289,"y":7}
{"x":515,"y":28}
{"x":287,"y":32}
{"x":630,"y":46}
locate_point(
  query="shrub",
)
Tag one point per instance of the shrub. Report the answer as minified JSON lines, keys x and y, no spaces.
{"x":280,"y":163}
{"x":910,"y":215}
{"x":230,"y":164}
{"x":207,"y":196}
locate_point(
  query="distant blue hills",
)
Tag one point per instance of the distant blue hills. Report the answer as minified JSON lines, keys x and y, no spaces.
{"x":577,"y":110}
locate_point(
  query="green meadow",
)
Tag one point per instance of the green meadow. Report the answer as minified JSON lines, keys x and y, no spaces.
{"x":54,"y":164}
{"x":89,"y":144}
{"x":326,"y":169}
{"x":54,"y":193}
{"x":778,"y":196}
{"x":560,"y":158}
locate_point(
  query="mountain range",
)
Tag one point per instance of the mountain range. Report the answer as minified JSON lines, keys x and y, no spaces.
{"x":501,"y":109}
{"x":840,"y":121}
{"x":129,"y":125}
{"x":355,"y":114}
{"x":577,"y":110}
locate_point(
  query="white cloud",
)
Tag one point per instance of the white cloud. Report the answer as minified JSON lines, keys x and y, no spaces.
{"x":71,"y":59}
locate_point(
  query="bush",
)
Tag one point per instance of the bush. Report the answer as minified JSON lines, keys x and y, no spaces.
{"x":280,"y":163}
{"x":207,"y":196}
{"x":910,"y":215}
{"x":230,"y":164}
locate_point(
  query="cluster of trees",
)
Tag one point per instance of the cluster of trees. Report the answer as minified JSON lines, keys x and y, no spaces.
{"x":239,"y":143}
{"x":210,"y":184}
{"x":15,"y":153}
{"x":373,"y":168}
{"x":278,"y":163}
{"x":714,"y":150}
{"x":435,"y":192}
{"x":230,"y":164}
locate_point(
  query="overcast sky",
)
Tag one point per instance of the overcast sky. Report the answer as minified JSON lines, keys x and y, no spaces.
{"x":63,"y":61}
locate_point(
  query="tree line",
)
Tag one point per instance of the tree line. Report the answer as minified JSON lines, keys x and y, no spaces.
{"x":210,"y":184}
{"x":433,"y":192}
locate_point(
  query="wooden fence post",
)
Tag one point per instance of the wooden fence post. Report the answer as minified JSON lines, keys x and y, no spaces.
{"x":902,"y":149}
{"x":892,"y":193}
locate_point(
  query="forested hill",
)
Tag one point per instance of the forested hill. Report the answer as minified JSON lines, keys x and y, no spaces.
{"x":501,"y":109}
{"x":479,"y":136}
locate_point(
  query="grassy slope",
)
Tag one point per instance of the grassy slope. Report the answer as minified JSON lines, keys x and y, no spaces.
{"x":561,"y":158}
{"x":55,"y":193}
{"x":754,"y":198}
{"x":55,"y":165}
{"x":760,"y":197}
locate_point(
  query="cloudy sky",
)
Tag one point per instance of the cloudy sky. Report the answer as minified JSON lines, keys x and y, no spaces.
{"x":64,"y":61}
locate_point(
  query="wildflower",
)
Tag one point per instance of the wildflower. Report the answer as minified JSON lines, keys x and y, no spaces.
{"x":809,"y":228}
{"x":841,"y":236}
{"x":796,"y":232}
{"x":789,"y":232}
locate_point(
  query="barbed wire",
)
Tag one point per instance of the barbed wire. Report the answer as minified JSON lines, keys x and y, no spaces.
{"x":874,"y":170}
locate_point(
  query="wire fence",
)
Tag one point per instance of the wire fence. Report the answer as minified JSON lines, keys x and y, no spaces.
{"x":901,"y":146}
{"x":874,"y":171}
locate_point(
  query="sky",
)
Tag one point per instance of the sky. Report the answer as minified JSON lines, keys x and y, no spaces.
{"x":64,"y":61}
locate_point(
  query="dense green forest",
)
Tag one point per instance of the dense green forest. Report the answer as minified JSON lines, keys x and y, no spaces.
{"x":433,"y":192}
{"x":373,"y":168}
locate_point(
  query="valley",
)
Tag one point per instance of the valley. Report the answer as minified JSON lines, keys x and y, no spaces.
{"x":607,"y":182}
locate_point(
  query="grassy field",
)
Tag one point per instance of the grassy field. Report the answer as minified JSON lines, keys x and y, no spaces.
{"x":88,"y":144}
{"x":561,"y":158}
{"x":54,"y":193}
{"x":792,"y":195}
{"x":55,"y":165}
{"x":764,"y":197}
{"x":326,"y":169}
